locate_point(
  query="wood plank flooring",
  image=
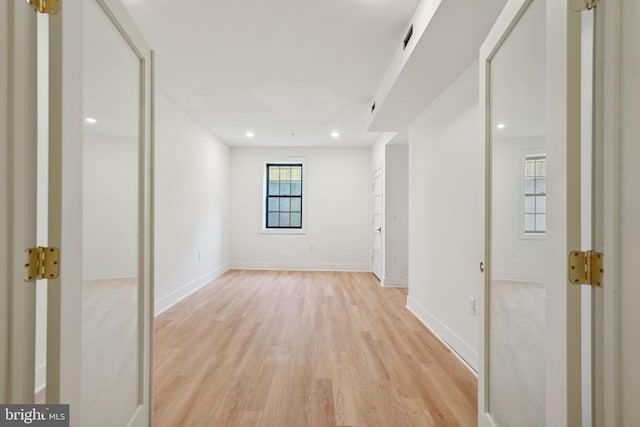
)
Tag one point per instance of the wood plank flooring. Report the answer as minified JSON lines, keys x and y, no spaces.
{"x":516,"y":358}
{"x":109,"y":351}
{"x":281,"y":348}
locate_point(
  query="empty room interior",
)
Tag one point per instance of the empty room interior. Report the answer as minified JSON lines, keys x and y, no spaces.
{"x":335,"y":213}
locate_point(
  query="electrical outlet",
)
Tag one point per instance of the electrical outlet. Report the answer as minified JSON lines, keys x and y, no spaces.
{"x":472,"y":305}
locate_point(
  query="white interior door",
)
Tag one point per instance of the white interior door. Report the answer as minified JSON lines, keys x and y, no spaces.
{"x":99,"y":312}
{"x":377,"y":236}
{"x":17,"y":199}
{"x":530,"y":347}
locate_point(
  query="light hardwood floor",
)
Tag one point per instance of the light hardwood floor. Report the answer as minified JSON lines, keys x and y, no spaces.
{"x":109,"y":351}
{"x":517,"y":353}
{"x":304,"y":349}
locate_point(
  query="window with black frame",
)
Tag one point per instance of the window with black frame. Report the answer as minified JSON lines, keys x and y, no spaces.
{"x":535,"y":194}
{"x":283,"y":196}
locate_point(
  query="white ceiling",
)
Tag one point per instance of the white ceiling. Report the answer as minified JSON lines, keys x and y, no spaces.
{"x":112,"y":75}
{"x":517,"y":74}
{"x":446,"y":41}
{"x":292,"y":71}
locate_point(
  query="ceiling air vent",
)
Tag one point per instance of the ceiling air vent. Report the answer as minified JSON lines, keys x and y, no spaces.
{"x":407,"y":37}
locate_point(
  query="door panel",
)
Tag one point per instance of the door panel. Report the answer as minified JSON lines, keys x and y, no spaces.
{"x":530,"y":100}
{"x":111,"y":333}
{"x":100,"y":314}
{"x":377,"y":235}
{"x":517,"y":295}
{"x":17,"y":199}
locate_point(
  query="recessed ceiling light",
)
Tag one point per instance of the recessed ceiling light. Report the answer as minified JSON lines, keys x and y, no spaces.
{"x":91,"y":120}
{"x":501,"y":126}
{"x":250,"y":134}
{"x":335,"y":134}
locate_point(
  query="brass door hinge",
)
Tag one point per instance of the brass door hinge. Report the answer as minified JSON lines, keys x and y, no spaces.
{"x":41,"y":263}
{"x":586,"y":268}
{"x":582,"y":5}
{"x":50,"y":7}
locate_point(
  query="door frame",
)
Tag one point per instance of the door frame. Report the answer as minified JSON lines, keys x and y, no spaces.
{"x":562,"y":339}
{"x":18,"y":144}
{"x":607,"y":127}
{"x":378,"y":171}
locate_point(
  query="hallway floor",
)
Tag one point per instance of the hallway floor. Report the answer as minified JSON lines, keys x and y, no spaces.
{"x":275,"y":348}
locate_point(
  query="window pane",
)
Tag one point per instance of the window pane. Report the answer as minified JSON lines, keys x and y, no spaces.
{"x":529,"y":204}
{"x":541,"y":222}
{"x":272,"y":219}
{"x":535,"y":189}
{"x":296,"y":189}
{"x":529,"y":222}
{"x":529,"y":168}
{"x":274,"y":204}
{"x":296,"y":173}
{"x":274,"y":173}
{"x":529,"y":185}
{"x":274,"y":188}
{"x":296,"y":220}
{"x":284,"y":220}
{"x":285,"y":173}
{"x":283,"y":182}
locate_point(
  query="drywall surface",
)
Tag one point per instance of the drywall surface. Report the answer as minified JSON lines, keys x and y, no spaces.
{"x":336,"y":210}
{"x":514,"y":255}
{"x":191,"y":205}
{"x":445,"y":238}
{"x":110,"y":207}
{"x":396,"y":217}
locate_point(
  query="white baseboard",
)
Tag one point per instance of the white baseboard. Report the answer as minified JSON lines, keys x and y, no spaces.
{"x":178,"y":295}
{"x":394,"y":282}
{"x":458,"y":347}
{"x":41,"y":377}
{"x":300,"y":266}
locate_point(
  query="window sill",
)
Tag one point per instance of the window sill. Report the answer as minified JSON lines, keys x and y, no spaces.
{"x":292,"y":231}
{"x":533,"y":236}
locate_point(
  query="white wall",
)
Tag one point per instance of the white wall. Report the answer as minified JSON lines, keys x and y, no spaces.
{"x":396,"y":217}
{"x":445,"y":237}
{"x":110,"y":207}
{"x":191,"y":205}
{"x":514,"y":255}
{"x":378,"y":150}
{"x":338,"y":211}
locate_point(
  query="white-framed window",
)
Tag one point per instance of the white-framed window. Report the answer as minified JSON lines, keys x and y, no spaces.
{"x":284,"y":196}
{"x":535,"y":194}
